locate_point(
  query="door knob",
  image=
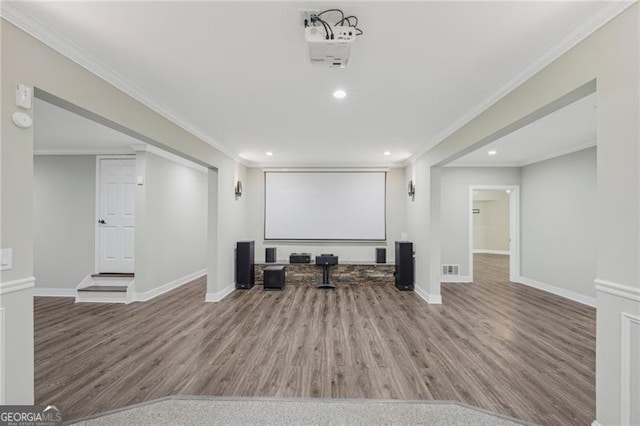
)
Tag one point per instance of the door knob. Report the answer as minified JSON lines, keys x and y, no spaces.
{"x":102,"y":222}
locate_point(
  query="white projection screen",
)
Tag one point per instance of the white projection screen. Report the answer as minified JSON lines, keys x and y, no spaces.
{"x":324,"y":206}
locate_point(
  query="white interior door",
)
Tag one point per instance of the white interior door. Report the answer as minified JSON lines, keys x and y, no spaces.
{"x":116,"y":215}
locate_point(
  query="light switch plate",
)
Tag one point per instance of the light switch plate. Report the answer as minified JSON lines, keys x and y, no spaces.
{"x":24,"y":94}
{"x":6,"y":259}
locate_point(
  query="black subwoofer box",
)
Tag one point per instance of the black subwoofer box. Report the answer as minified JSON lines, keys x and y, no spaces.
{"x":245,"y":271}
{"x":270,"y":255}
{"x":274,"y":277}
{"x":381,"y":255}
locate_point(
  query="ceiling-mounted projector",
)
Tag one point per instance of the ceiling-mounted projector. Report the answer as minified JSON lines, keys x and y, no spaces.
{"x":334,"y":51}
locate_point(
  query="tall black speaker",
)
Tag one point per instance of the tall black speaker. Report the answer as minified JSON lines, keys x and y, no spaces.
{"x":404,"y":265}
{"x":381,"y":255}
{"x":270,"y":254}
{"x":245,"y":271}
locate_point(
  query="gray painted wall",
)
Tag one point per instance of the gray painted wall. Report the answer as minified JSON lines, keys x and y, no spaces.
{"x":454,"y":203}
{"x":171,"y":221}
{"x":346,"y":251}
{"x":64,"y":189}
{"x":558,"y":221}
{"x":491,"y":225}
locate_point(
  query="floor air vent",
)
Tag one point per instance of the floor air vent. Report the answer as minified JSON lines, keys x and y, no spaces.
{"x":450,"y":269}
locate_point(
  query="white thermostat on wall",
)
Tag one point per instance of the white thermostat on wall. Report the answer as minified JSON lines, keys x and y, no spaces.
{"x":21,"y":120}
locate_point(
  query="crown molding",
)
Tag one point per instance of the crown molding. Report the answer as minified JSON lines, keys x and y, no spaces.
{"x":570,"y":40}
{"x":11,"y":12}
{"x":120,"y":151}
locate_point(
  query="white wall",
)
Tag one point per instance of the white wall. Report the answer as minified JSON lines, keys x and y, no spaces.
{"x":171,"y":222}
{"x":558,"y":220}
{"x":28,"y":61}
{"x":230,"y":215}
{"x":63,"y":219}
{"x":608,"y":62}
{"x":454,"y":204}
{"x":346,"y":251}
{"x":491,"y":224}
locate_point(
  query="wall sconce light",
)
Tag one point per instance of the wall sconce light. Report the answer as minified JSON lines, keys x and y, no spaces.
{"x":411,"y":190}
{"x":238,"y":189}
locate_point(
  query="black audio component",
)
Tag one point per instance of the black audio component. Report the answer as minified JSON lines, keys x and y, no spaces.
{"x":245,"y":271}
{"x":405,"y":263}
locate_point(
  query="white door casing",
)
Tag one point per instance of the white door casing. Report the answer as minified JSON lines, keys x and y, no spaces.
{"x":116,"y":214}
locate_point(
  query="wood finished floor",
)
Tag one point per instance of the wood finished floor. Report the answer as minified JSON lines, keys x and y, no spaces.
{"x":503,"y":347}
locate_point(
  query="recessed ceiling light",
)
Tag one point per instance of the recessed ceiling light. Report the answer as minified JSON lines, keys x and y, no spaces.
{"x":492,"y":152}
{"x":339,"y":94}
{"x":508,"y":191}
{"x":269,"y":153}
{"x":387,"y":153}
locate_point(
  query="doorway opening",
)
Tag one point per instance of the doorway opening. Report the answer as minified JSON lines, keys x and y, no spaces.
{"x":494,"y":224}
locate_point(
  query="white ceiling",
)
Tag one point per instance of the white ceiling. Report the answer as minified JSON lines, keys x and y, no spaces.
{"x":566,"y":130}
{"x":237,"y":75}
{"x":57,"y":130}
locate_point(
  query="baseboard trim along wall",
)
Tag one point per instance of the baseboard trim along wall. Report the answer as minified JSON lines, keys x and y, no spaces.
{"x":431,"y":299}
{"x":616,"y":289}
{"x":219,"y":295}
{"x":483,"y":251}
{"x":155,"y":292}
{"x":53,"y":292}
{"x":458,"y":279}
{"x":567,"y":294}
{"x":17,"y":285}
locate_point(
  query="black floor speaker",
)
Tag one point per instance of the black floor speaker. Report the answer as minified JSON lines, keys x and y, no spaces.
{"x":270,"y":255}
{"x":404,"y":265}
{"x":245,"y":264}
{"x":381,"y":255}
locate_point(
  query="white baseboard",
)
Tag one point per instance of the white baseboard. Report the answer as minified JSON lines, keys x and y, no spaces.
{"x":568,"y":294}
{"x":483,"y":251}
{"x":456,"y":279}
{"x":155,"y":292}
{"x":7,"y":287}
{"x":595,"y":423}
{"x":219,"y":295}
{"x":53,"y":292}
{"x":432,"y":299}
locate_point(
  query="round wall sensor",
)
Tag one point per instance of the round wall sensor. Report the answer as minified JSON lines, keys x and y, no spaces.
{"x":21,"y":120}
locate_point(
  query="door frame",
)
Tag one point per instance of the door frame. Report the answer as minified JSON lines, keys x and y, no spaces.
{"x":96,"y":266}
{"x":514,"y":227}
